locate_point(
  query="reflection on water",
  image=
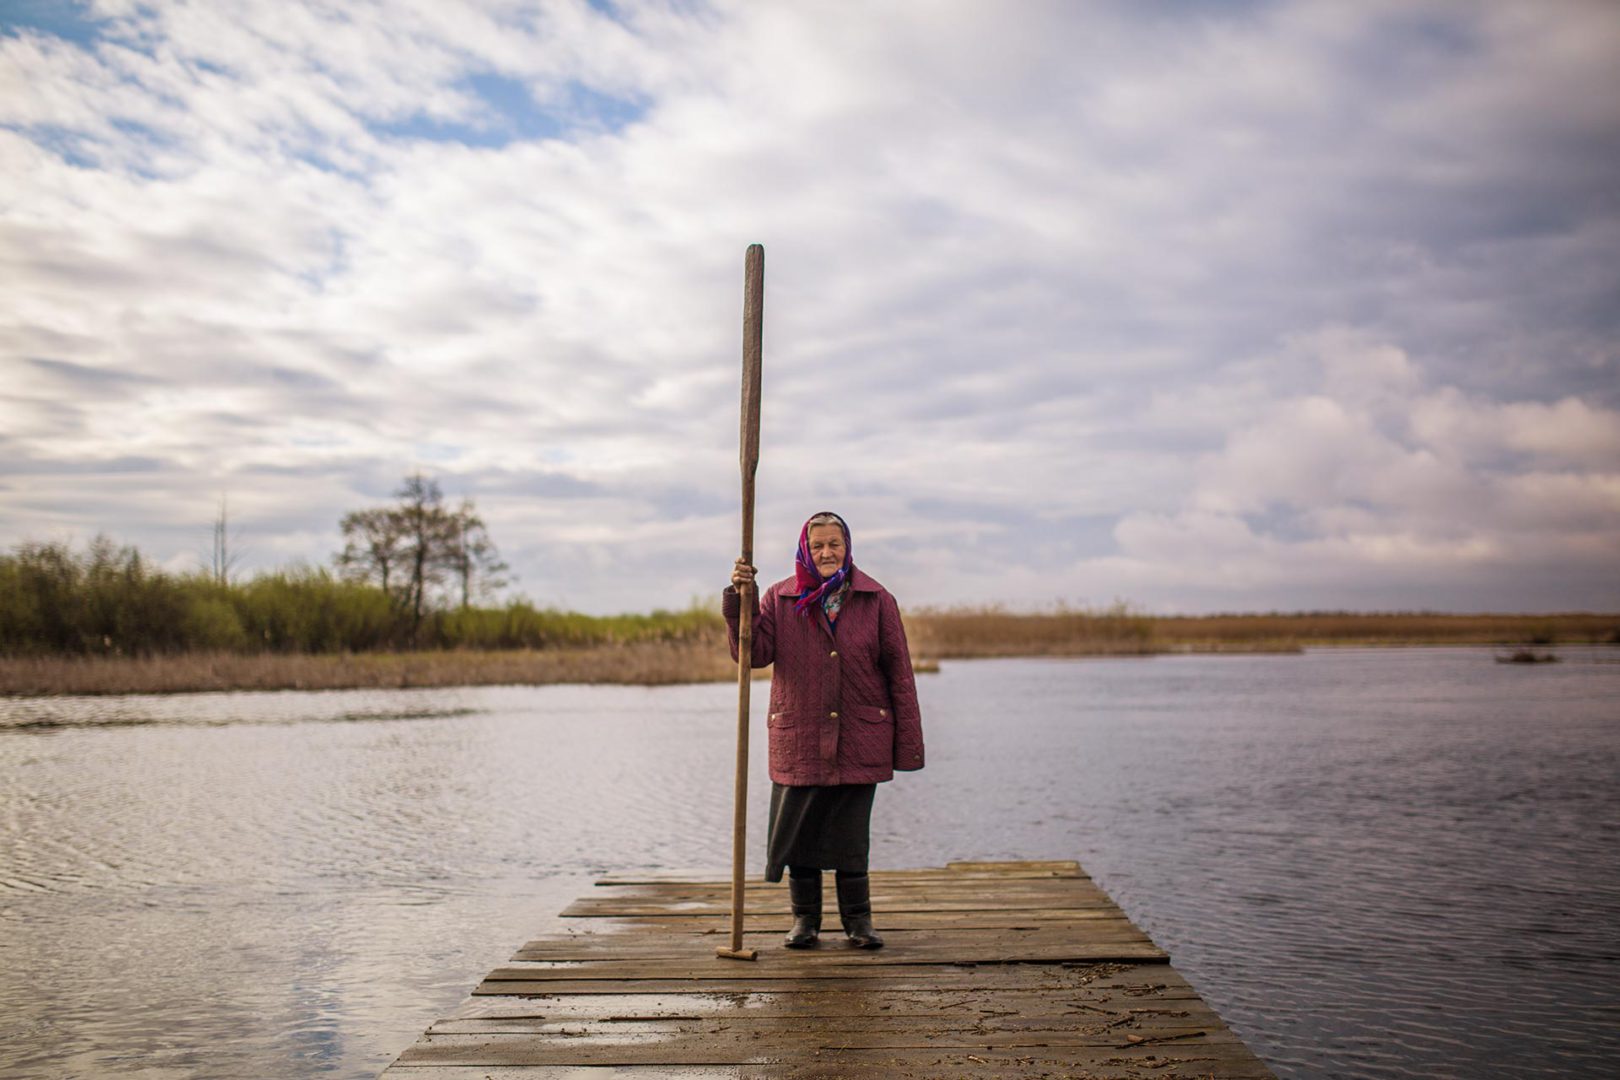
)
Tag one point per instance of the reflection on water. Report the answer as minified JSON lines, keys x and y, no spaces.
{"x":1373,"y":862}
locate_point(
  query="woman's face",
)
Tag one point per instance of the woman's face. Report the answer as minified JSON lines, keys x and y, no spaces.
{"x":827,"y":548}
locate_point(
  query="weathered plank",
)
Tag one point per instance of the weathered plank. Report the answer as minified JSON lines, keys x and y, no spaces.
{"x":775,"y":923}
{"x":1033,"y":1015}
{"x":1148,"y":980}
{"x":1017,"y":866}
{"x":1005,"y":944}
{"x":818,"y":1004}
{"x":982,"y":870}
{"x":726,"y":1047}
{"x":592,"y":907}
{"x":991,"y":969}
{"x":876,"y":1067}
{"x":970,"y":884}
{"x":834,"y":961}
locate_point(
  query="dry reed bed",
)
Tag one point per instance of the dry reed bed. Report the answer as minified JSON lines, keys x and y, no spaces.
{"x":955,"y":634}
{"x":958,"y":633}
{"x":645,"y":664}
{"x":1419,"y":628}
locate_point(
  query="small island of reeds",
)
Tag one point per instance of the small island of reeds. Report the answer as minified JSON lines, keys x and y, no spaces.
{"x":1527,"y":656}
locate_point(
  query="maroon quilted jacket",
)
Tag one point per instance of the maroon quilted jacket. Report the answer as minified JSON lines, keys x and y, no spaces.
{"x":843,"y":703}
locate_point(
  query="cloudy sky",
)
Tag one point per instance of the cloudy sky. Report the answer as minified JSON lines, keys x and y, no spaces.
{"x":1220,"y":306}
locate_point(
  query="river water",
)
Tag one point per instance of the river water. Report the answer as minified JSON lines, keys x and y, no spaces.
{"x":1373,"y":863}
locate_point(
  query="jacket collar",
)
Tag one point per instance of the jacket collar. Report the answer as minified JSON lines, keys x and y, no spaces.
{"x":859,"y":582}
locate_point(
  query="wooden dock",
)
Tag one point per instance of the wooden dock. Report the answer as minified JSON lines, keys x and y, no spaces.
{"x":1004,"y":969}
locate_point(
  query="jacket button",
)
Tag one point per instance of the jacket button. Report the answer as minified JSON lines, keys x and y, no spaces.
{"x":833,"y":653}
{"x":833,"y":715}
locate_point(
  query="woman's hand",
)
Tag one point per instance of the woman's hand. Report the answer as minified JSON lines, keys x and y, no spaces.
{"x":742,"y":575}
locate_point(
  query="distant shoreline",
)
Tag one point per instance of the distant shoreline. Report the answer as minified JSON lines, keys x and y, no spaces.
{"x":703,"y":657}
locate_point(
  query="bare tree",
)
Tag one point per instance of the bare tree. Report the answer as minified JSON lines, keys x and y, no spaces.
{"x":473,"y":557}
{"x":373,"y":547}
{"x":427,"y":534}
{"x":226,"y":553}
{"x":412,"y":547}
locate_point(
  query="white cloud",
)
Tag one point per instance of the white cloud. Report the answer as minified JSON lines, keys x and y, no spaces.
{"x":1419,"y":495}
{"x":1568,"y":432}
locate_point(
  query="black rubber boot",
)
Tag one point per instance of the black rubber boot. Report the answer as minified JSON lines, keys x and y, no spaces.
{"x":805,"y":892}
{"x":855,"y":909}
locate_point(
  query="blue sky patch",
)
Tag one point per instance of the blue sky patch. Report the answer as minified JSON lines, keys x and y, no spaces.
{"x":66,"y":19}
{"x":510,"y":114}
{"x":73,"y":147}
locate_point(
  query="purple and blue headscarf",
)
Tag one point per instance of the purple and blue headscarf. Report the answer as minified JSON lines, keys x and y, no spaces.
{"x":816,"y":591}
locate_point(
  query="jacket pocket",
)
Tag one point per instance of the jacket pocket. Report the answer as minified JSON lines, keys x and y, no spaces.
{"x":871,"y":742}
{"x":781,"y":735}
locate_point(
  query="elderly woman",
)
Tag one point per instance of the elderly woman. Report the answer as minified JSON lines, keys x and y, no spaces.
{"x":843,"y":718}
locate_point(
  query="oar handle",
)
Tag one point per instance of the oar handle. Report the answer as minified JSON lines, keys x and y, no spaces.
{"x":753,"y":340}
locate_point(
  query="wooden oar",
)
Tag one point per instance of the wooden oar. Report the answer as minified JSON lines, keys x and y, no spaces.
{"x":753,"y":331}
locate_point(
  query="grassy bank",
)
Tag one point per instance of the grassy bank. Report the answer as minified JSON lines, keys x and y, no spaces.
{"x":109,"y":601}
{"x":697,"y":652}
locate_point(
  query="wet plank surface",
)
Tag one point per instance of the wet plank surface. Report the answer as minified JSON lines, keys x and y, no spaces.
{"x":1016,"y":969}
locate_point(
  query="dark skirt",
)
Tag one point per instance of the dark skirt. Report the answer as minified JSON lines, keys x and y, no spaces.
{"x":827,"y":828}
